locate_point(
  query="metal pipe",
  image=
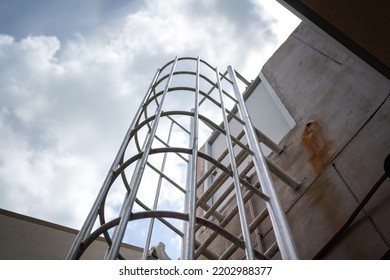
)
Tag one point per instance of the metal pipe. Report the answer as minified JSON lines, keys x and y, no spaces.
{"x":155,"y":202}
{"x":218,"y":215}
{"x":91,"y":218}
{"x":163,"y":175}
{"x":257,"y":232}
{"x":268,"y":142}
{"x":229,"y":216}
{"x":225,"y":194}
{"x":242,"y":79}
{"x":189,"y":234}
{"x":276,"y":213}
{"x":166,"y":145}
{"x":236,"y":179}
{"x":272,"y":250}
{"x":253,"y":226}
{"x":136,"y":179}
{"x":224,"y":176}
{"x":282,"y":175}
{"x":213,"y":167}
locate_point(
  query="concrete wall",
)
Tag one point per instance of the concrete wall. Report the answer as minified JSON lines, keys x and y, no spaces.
{"x":26,"y":238}
{"x":357,"y":25}
{"x":337,"y":149}
{"x":338,"y":146}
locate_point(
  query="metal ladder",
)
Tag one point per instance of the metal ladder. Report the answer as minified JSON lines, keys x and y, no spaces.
{"x":163,"y":137}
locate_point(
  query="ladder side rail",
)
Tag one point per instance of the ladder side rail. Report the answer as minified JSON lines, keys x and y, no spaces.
{"x":236,"y":179}
{"x":278,"y":218}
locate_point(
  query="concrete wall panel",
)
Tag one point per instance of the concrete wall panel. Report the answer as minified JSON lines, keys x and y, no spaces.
{"x":26,"y":238}
{"x":341,"y":110}
{"x":319,"y":214}
{"x":361,"y":165}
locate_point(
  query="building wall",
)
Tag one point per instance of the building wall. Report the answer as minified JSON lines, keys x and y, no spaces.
{"x":26,"y":238}
{"x":357,"y":25}
{"x":338,"y":146}
{"x":337,"y":149}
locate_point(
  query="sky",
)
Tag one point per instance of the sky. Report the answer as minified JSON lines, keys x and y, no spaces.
{"x":72,"y":74}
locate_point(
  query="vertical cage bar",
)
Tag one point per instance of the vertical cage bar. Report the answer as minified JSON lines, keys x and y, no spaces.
{"x":155,"y":203}
{"x":277,"y":215}
{"x":136,"y":178}
{"x":189,"y":234}
{"x":91,"y":218}
{"x":236,"y":179}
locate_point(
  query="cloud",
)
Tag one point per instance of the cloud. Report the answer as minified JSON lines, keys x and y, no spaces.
{"x":66,"y":100}
{"x":49,"y":127}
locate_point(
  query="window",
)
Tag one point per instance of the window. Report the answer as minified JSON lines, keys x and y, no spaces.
{"x":268,"y":115}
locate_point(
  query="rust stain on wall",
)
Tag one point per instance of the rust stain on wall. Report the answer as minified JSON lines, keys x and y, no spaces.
{"x":317,"y":144}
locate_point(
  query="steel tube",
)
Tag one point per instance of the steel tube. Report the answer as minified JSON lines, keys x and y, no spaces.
{"x":155,"y":202}
{"x":91,"y":218}
{"x":257,"y":232}
{"x":252,"y":227}
{"x":163,"y":175}
{"x":225,"y":194}
{"x":268,"y":142}
{"x":229,"y":216}
{"x":166,"y":145}
{"x":272,"y":250}
{"x":236,"y":179}
{"x":224,"y":176}
{"x":189,"y":234}
{"x":276,"y":213}
{"x":282,"y":175}
{"x":136,"y":179}
{"x":212,"y":168}
{"x":218,"y":215}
